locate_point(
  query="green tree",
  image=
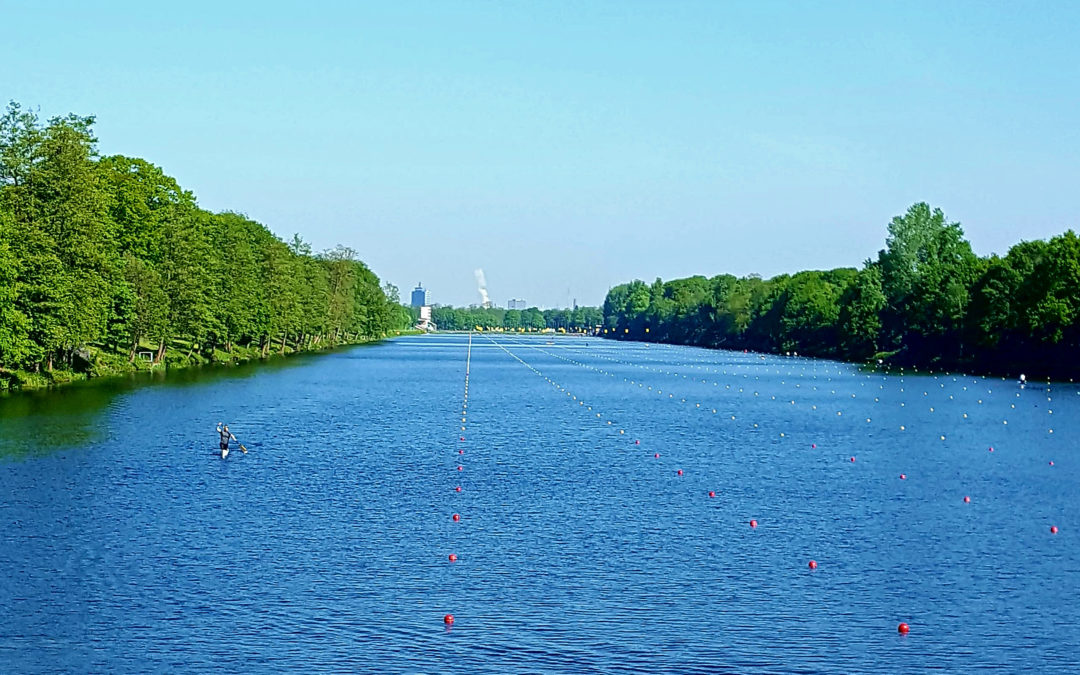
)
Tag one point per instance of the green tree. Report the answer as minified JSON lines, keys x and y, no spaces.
{"x":927,"y":269}
{"x":15,"y":341}
{"x":861,"y":305}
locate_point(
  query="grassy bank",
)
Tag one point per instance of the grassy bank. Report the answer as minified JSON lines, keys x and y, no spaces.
{"x":104,"y":361}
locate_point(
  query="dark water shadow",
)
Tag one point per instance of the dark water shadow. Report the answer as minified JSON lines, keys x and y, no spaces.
{"x":40,"y":421}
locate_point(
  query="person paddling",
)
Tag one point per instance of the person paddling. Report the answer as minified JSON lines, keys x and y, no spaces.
{"x":226,"y":436}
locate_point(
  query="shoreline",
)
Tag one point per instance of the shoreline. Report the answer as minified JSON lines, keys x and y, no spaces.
{"x":106,"y":367}
{"x":1033,"y":377}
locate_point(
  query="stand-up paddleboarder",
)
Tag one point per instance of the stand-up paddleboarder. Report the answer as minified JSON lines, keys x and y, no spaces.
{"x":226,"y":436}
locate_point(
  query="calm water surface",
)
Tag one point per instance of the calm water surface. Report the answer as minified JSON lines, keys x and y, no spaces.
{"x":129,"y":545}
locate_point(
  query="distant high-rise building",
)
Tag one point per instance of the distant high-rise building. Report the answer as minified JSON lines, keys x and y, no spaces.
{"x":419,"y":296}
{"x":516,"y":303}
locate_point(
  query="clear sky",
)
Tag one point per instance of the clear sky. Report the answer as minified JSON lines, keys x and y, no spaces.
{"x":568,"y":147}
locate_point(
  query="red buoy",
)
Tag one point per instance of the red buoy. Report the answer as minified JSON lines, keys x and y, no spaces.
{"x":991,"y":448}
{"x":903,"y":629}
{"x":458,"y":488}
{"x":657,"y":456}
{"x":462,"y":438}
{"x":637,"y":442}
{"x":813,"y":445}
{"x":1053,"y":529}
{"x":461,"y":452}
{"x":456,"y":517}
{"x":448,"y":619}
{"x":967,"y":500}
{"x":852,"y":459}
{"x":453,"y":558}
{"x":813,"y":564}
{"x":1051,"y":462}
{"x":711,"y":493}
{"x":903,"y":476}
{"x":679,"y":472}
{"x":753,"y":523}
{"x":460,"y":468}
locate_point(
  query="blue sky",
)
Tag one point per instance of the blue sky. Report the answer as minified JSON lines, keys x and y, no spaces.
{"x":568,"y":147}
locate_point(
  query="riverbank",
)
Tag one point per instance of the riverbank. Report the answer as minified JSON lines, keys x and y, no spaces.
{"x":893,"y":363}
{"x":98,"y":361}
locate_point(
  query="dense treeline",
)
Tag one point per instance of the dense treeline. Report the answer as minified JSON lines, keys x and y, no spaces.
{"x":927,"y":300}
{"x":102,"y":258}
{"x":579,"y":319}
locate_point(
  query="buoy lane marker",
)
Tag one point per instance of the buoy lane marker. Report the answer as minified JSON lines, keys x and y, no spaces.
{"x":581,"y":401}
{"x":448,"y":619}
{"x":903,"y":628}
{"x":601,"y":371}
{"x":849,"y":375}
{"x":608,"y":423}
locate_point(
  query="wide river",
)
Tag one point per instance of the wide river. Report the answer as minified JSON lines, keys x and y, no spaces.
{"x":607,"y":493}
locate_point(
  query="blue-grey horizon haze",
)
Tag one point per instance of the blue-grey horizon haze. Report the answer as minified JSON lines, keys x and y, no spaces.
{"x":567,"y":147}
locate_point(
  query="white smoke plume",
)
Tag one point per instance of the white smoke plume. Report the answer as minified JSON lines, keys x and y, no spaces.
{"x":481,"y":285}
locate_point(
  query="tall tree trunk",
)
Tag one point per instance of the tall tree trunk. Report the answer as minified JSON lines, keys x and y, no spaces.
{"x":134,"y":349}
{"x":160,"y":351}
{"x":283,"y":336}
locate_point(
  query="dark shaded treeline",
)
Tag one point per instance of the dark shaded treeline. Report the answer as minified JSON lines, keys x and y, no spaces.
{"x":927,"y":300}
{"x":105,"y":257}
{"x":579,"y":319}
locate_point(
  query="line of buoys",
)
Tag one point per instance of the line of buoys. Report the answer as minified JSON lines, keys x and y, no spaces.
{"x":753,"y":523}
{"x":663,"y":370}
{"x":448,"y":619}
